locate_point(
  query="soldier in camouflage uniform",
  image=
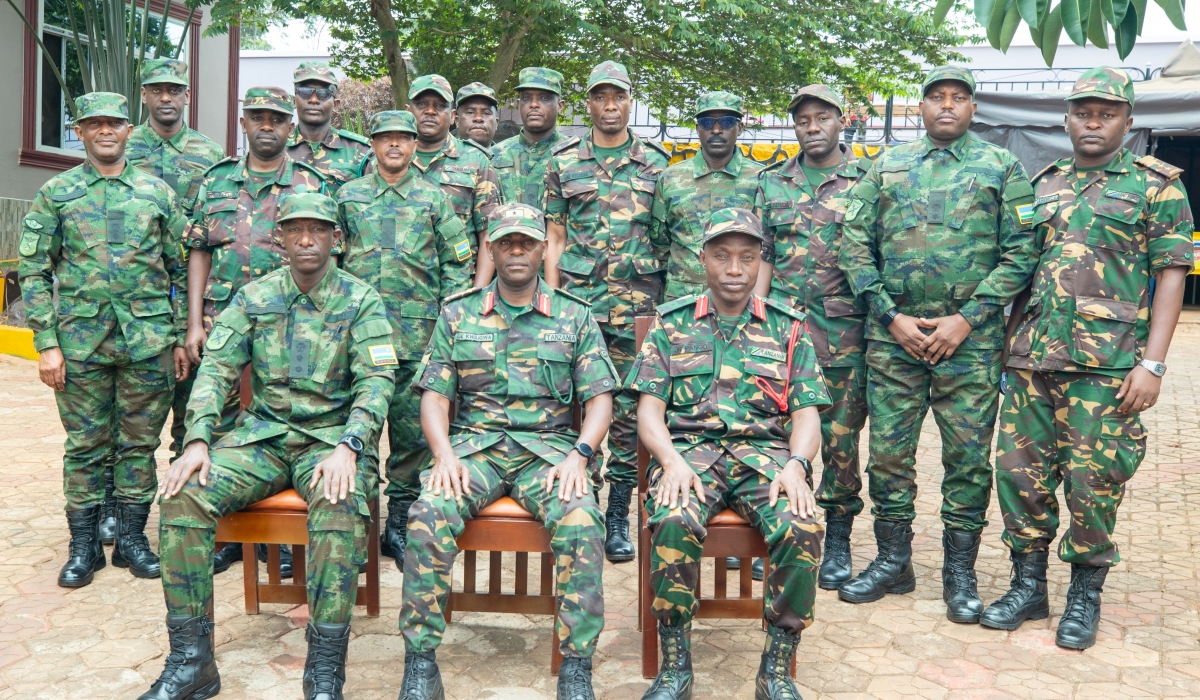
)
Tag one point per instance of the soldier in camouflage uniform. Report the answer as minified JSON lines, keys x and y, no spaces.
{"x":514,"y":357}
{"x":320,"y":353}
{"x":403,"y":239}
{"x":802,"y":202}
{"x":105,"y":238}
{"x":599,"y":193}
{"x":336,"y":153}
{"x":477,"y":115}
{"x":1086,"y":353}
{"x":938,"y":239}
{"x":730,"y":391}
{"x":688,"y":192}
{"x":520,"y":162}
{"x":232,"y":237}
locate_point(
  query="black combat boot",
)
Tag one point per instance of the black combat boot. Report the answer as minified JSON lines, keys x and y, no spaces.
{"x":222,"y":560}
{"x":892,"y":569}
{"x":757,"y":569}
{"x":325,"y":667}
{"x":836,"y":567}
{"x":575,"y":678}
{"x":774,"y":681}
{"x":1026,"y":598}
{"x":108,"y":511}
{"x":285,"y":558}
{"x":422,"y":679}
{"x":86,"y":555}
{"x":191,"y":669}
{"x":674,"y":681}
{"x":394,"y":538}
{"x":959,"y":586}
{"x":617,"y":547}
{"x":1081,"y":618}
{"x":133,"y":549}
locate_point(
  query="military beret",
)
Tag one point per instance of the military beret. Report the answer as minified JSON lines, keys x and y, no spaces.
{"x":719,"y":101}
{"x":314,"y":70}
{"x":477,"y":89}
{"x":307,"y":205}
{"x":1105,"y":82}
{"x":540,"y":78}
{"x":272,"y":98}
{"x":609,"y":73}
{"x":393,"y":120}
{"x":816,"y":91}
{"x":102,"y":104}
{"x":516,"y":218}
{"x":432,"y":82}
{"x":732,"y":220}
{"x":164,"y":70}
{"x":948,"y":72}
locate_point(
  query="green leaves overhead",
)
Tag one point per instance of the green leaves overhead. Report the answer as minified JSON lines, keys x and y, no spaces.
{"x":1075,"y":15}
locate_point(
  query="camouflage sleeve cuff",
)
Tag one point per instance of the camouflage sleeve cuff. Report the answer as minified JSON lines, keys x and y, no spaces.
{"x":438,"y":378}
{"x":556,"y":217}
{"x":44,"y":340}
{"x":807,"y":394}
{"x":650,"y":380}
{"x":595,"y":388}
{"x":977,"y":313}
{"x":881,"y":303}
{"x":198,"y":431}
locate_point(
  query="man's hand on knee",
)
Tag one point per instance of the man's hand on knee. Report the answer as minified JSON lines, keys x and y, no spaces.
{"x":572,"y":477}
{"x":792,"y":483}
{"x":449,"y":476}
{"x":676,"y":484}
{"x":338,"y":469}
{"x":195,"y":456}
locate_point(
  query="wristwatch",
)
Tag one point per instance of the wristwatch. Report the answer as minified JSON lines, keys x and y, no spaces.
{"x":888,"y":316}
{"x":353,"y":443}
{"x":584,"y":449}
{"x":803,"y":463}
{"x":1156,"y":368}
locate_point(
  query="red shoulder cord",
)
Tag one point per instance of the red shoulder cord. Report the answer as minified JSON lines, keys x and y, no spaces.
{"x":782,"y":400}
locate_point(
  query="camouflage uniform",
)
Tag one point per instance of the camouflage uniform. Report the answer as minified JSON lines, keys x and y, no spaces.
{"x":520,"y":165}
{"x":610,"y":260}
{"x":688,"y":192}
{"x":405,"y":242}
{"x":734,"y":435}
{"x":113,"y":245}
{"x":513,"y":379}
{"x":931,"y":232}
{"x":477,"y":89}
{"x":340,"y":156}
{"x":321,"y":367}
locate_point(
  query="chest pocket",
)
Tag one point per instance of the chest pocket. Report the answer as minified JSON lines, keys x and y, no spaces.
{"x":331,"y":358}
{"x":896,"y":212}
{"x":580,"y":187}
{"x":458,"y":185}
{"x":691,"y":370}
{"x":475,"y":361}
{"x":765,"y":360}
{"x":1115,"y":227}
{"x":643,"y":195}
{"x":269,"y":332}
{"x":219,"y":209}
{"x":555,"y":362}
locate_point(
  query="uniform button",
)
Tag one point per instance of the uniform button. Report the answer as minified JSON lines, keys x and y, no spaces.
{"x":812,"y":395}
{"x":653,"y":386}
{"x":606,"y":382}
{"x":638,"y":382}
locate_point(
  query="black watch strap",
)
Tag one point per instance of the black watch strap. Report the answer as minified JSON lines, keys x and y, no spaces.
{"x":585,"y":449}
{"x":888,"y":316}
{"x":353,"y":443}
{"x":803,"y":463}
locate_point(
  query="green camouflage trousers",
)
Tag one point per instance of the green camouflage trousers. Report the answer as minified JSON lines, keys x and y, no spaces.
{"x":113,"y":411}
{"x":183,"y":391}
{"x":576,"y":539}
{"x":409,"y":452}
{"x":1063,"y":428}
{"x":841,"y":424}
{"x":247,"y":474}
{"x":794,"y":544}
{"x":622,"y":434}
{"x":963,"y":392}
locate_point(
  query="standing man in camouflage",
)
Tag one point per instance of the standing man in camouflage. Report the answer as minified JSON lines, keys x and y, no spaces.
{"x":233,"y":239}
{"x":691,"y":190}
{"x":938,"y":239}
{"x":336,"y":153}
{"x":404,"y":240}
{"x":110,"y":236}
{"x":802,"y":202}
{"x":599,"y":192}
{"x":1087,"y":353}
{"x":513,"y":357}
{"x":520,"y":162}
{"x":320,"y":351}
{"x":477,"y":114}
{"x":730,"y":391}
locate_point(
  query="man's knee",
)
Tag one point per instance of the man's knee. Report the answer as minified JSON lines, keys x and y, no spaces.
{"x":677,"y":522}
{"x":582,"y":513}
{"x":430,"y":514}
{"x":799,"y":533}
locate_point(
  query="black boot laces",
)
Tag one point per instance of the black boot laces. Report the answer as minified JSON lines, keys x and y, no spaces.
{"x":579,"y":686}
{"x":1078,"y":601}
{"x":327,"y":667}
{"x":618,"y":504}
{"x":180,"y":640}
{"x":672,"y":648}
{"x":415,"y":672}
{"x":1015,"y":595}
{"x":781,"y":654}
{"x":133,"y":531}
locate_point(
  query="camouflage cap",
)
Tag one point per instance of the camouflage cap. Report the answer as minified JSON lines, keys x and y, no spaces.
{"x":541,"y":79}
{"x":431,"y":82}
{"x":1104,"y":82}
{"x":164,"y":70}
{"x":732,"y":220}
{"x":393,"y":120}
{"x":816,"y":91}
{"x":272,"y":98}
{"x":719,"y":100}
{"x":516,"y":218}
{"x":102,"y":104}
{"x":948,"y":72}
{"x":307,"y":205}
{"x":314,"y":70}
{"x":476,"y":89}
{"x":609,"y":73}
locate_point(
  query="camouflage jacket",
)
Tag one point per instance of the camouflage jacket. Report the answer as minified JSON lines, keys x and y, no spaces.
{"x":114,"y":247}
{"x":321,"y":363}
{"x":802,"y":228}
{"x":932,"y":232}
{"x":180,"y":161}
{"x":1104,"y":234}
{"x":338,"y":158}
{"x":686,"y":194}
{"x":521,"y":168}
{"x":609,"y":259}
{"x":516,"y":375}
{"x":406,"y":242}
{"x":237,"y":224}
{"x":710,"y":384}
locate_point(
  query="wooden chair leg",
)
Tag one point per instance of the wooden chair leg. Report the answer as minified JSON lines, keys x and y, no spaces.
{"x":555,"y":655}
{"x":646,"y":619}
{"x":250,"y":577}
{"x":299,"y":566}
{"x":373,"y":561}
{"x":273,"y":574}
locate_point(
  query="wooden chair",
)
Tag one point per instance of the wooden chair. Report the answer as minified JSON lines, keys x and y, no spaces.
{"x":729,"y":535}
{"x":283,"y":519}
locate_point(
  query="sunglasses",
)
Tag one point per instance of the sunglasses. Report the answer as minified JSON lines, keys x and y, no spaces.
{"x":727,"y":122}
{"x":306,"y":93}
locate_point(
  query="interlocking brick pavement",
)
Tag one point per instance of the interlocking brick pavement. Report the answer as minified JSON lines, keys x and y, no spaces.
{"x":108,"y":639}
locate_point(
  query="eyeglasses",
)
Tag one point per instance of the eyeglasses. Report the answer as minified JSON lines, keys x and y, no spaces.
{"x":306,"y":93}
{"x":727,"y":122}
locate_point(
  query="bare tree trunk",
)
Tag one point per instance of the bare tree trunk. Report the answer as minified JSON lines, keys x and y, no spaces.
{"x":389,"y":36}
{"x":508,"y":51}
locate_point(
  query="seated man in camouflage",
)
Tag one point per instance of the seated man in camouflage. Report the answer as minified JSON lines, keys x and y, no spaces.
{"x":320,"y":348}
{"x":514,"y":355}
{"x":730,"y":391}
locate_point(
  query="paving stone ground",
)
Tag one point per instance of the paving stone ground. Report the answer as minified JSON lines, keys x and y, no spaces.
{"x":108,"y":640}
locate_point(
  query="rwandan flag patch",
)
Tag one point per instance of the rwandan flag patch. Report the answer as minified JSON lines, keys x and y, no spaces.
{"x":382,"y":355}
{"x":462,"y":250}
{"x":1024,"y":214}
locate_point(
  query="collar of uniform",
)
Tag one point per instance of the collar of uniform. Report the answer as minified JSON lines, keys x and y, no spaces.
{"x":400,"y":188}
{"x":554,"y":137}
{"x":733,"y":168}
{"x":332,"y":140}
{"x":636,"y":153}
{"x":319,"y":294}
{"x":91,"y":175}
{"x":705,"y":307}
{"x":177,"y":142}
{"x":283,"y":176}
{"x":448,"y":149}
{"x":1121,"y":163}
{"x":491,"y":298}
{"x":956,"y":147}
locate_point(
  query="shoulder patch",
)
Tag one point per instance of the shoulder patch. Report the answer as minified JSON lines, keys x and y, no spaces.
{"x":569,"y":143}
{"x":780,"y":306}
{"x":1162,"y":168}
{"x":1043,"y":172}
{"x":572,"y":297}
{"x":680,"y":303}
{"x":864,"y":164}
{"x":354,"y":137}
{"x":223,"y":161}
{"x":462,"y":295}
